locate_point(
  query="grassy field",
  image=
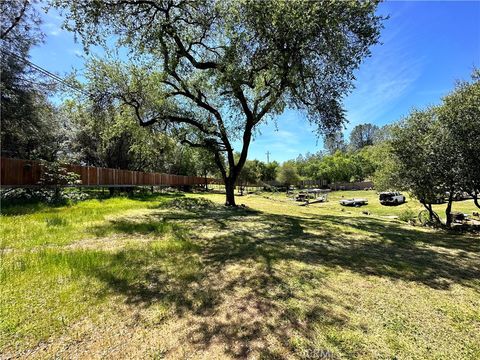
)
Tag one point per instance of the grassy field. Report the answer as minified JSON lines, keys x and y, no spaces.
{"x":184,"y":277}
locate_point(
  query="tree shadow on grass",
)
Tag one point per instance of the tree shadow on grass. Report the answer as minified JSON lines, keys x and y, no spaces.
{"x":145,"y":279}
{"x":132,"y":227}
{"x":147,"y":196}
{"x":409,"y":236}
{"x":241,"y":287}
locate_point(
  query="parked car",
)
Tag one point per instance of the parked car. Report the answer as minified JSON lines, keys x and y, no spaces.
{"x":353,"y":202}
{"x":391,"y":198}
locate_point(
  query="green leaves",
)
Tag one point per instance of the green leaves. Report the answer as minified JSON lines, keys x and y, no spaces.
{"x":287,"y":174}
{"x":213,"y":70}
{"x":239,"y":56}
{"x":436,"y":151}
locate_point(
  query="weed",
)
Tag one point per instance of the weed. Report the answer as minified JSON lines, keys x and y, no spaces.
{"x":56,"y":221}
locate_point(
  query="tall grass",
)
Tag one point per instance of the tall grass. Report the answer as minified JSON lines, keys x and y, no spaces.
{"x":21,"y":228}
{"x":44,"y":291}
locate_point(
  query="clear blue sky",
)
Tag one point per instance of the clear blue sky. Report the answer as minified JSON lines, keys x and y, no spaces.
{"x":426,"y":46}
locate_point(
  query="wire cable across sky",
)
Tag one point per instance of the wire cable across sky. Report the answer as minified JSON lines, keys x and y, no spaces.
{"x":46,"y":72}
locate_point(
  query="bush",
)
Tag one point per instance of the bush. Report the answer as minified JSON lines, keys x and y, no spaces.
{"x":407,"y":215}
{"x":46,"y":195}
{"x":54,"y":177}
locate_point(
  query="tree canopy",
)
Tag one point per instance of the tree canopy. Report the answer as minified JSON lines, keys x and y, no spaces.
{"x":287,"y":174}
{"x":460,"y":117}
{"x":334,"y":141}
{"x":435,"y":152}
{"x":29,"y":129}
{"x":211,"y":71}
{"x":363,"y":135}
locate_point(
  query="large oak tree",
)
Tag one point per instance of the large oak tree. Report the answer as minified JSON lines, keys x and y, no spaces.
{"x":212,"y":71}
{"x":460,"y":116}
{"x":436,"y":152}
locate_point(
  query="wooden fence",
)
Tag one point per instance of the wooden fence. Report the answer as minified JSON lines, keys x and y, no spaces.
{"x":27,"y":173}
{"x":313,"y":183}
{"x":359,"y":185}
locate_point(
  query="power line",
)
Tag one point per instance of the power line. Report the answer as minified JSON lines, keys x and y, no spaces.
{"x":46,"y":72}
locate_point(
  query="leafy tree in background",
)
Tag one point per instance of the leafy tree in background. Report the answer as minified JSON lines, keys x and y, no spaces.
{"x":383,"y":134}
{"x":385,"y":174}
{"x":268,"y":172}
{"x":113,"y":139}
{"x":436,"y":151}
{"x":460,"y":116}
{"x":341,"y":166}
{"x":336,"y":167}
{"x":106,"y":133}
{"x":29,"y":127}
{"x":362,"y":135}
{"x":213,"y":71}
{"x":414,"y":147}
{"x":249,"y":174}
{"x":287,"y":174}
{"x":205,"y":164}
{"x":307,"y":165}
{"x":334,"y":141}
{"x":364,"y":166}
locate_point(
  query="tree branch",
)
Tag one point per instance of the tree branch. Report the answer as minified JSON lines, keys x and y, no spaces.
{"x":15,"y":21}
{"x":238,"y":92}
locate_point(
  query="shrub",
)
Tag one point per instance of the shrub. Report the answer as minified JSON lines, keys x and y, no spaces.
{"x":46,"y":195}
{"x":51,"y":188}
{"x":407,"y":215}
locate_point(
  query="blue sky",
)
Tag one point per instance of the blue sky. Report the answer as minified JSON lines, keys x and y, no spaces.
{"x":426,"y":46}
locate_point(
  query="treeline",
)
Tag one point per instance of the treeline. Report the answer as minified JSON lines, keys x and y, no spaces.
{"x":433,"y":153}
{"x":357,"y":159}
{"x":88,"y":128}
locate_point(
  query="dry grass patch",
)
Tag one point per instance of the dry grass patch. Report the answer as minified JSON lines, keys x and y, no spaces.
{"x":193,"y":279}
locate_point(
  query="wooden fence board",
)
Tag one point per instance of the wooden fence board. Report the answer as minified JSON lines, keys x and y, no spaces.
{"x":18,"y":172}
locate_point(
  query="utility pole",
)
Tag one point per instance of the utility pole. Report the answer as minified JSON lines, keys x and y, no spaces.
{"x":268,"y":156}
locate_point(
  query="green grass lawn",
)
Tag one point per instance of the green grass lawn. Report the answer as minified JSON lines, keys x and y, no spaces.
{"x":184,"y":277}
{"x":333,"y":206}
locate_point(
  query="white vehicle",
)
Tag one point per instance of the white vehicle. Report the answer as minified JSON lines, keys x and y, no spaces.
{"x":354,"y":202}
{"x":391,"y":198}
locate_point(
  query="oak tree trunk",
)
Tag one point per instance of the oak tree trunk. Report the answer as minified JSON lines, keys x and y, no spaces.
{"x":448,"y":210}
{"x":433,"y":216}
{"x":475,"y":200}
{"x":230,"y":192}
